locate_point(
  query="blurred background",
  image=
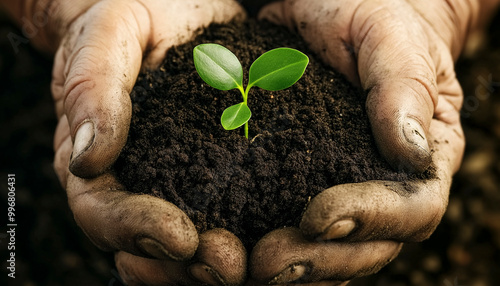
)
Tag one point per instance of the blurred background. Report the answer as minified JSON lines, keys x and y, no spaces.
{"x":51,"y":250}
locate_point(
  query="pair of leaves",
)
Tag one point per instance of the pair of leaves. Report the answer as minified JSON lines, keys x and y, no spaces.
{"x":274,"y":70}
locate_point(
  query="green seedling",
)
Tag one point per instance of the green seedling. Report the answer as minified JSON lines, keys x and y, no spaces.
{"x":274,"y":70}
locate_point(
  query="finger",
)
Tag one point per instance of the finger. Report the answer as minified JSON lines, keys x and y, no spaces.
{"x":95,"y":69}
{"x":449,"y":105}
{"x":403,"y":211}
{"x":135,"y":270}
{"x":219,"y":260}
{"x":222,"y":255}
{"x":381,"y":48}
{"x":396,"y":68}
{"x":285,"y":256}
{"x":63,"y":148}
{"x":115,"y":219}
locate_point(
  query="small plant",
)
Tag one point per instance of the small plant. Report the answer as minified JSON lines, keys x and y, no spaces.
{"x":274,"y":70}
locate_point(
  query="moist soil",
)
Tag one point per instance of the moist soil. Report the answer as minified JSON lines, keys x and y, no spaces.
{"x":302,"y":140}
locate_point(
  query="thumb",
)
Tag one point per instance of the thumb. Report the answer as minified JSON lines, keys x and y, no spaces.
{"x":396,"y":68}
{"x":383,"y":48}
{"x":95,"y":69}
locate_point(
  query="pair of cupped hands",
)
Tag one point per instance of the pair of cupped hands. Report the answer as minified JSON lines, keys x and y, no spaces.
{"x":401,"y":52}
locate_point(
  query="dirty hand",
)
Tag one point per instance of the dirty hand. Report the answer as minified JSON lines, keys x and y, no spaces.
{"x":101,"y":47}
{"x":402,"y":53}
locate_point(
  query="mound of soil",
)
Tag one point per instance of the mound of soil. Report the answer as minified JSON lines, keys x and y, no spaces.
{"x":303,"y":139}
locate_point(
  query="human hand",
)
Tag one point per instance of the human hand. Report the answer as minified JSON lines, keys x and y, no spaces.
{"x":99,"y":57}
{"x":402,"y":53}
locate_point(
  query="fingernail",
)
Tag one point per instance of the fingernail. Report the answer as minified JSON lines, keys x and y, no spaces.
{"x":415,"y":134}
{"x":396,"y":253}
{"x":289,"y":275}
{"x":338,"y":229}
{"x":83,"y":139}
{"x":153,"y":248}
{"x":205,"y":274}
{"x":420,"y":157}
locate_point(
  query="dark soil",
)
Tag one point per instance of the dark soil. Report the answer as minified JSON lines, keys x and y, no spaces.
{"x":302,"y":140}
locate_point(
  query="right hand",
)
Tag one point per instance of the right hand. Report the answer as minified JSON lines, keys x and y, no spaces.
{"x":402,"y":53}
{"x":102,"y":47}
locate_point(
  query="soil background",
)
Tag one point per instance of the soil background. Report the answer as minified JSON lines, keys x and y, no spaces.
{"x":51,"y":250}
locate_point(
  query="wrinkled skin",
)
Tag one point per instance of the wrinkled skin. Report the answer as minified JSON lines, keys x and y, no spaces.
{"x":388,"y":47}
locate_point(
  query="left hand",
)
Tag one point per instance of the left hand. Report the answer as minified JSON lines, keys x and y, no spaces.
{"x":402,"y":52}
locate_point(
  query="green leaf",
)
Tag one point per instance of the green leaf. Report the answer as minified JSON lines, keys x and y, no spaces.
{"x":278,"y":69}
{"x":235,"y":116}
{"x":218,"y":66}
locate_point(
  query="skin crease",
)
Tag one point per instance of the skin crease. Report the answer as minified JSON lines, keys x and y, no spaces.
{"x":389,"y":47}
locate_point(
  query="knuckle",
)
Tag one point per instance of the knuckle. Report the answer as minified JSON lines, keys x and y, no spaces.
{"x":434,"y":208}
{"x":77,"y":84}
{"x":422,"y":80}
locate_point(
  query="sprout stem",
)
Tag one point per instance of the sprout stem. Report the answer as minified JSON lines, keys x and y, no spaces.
{"x":245,"y":100}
